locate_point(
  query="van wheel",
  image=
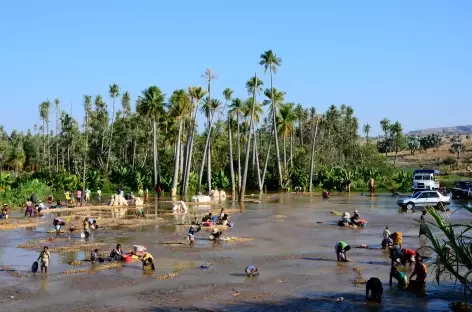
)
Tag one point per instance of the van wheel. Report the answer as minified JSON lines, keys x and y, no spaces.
{"x":410,"y":206}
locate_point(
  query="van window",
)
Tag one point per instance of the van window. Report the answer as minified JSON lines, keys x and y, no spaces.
{"x":418,"y":177}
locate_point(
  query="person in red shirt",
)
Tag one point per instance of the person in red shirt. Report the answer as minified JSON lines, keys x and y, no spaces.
{"x":407,"y":255}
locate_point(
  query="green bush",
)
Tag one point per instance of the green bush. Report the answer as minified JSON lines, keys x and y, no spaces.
{"x":19,"y":195}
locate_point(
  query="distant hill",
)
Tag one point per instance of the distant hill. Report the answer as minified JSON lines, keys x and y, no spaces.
{"x":445,"y":130}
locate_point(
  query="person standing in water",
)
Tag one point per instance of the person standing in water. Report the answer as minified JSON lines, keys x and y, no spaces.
{"x":44,"y":259}
{"x":401,"y":278}
{"x":99,"y":195}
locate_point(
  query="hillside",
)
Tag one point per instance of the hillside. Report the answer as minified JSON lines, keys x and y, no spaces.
{"x":444,"y":130}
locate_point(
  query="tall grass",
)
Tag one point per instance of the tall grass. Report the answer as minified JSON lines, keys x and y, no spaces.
{"x":453,"y":248}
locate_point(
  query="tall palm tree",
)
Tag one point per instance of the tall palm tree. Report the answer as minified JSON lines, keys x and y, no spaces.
{"x":114,"y":92}
{"x":151,"y":105}
{"x":196,"y":95}
{"x":246,"y":158}
{"x":126,"y":104}
{"x":210,"y":107}
{"x":271,"y":63}
{"x":285,"y":123}
{"x":366,"y":131}
{"x":87,"y":109}
{"x":228,"y":94}
{"x":180,"y":107}
{"x":57,"y":105}
{"x":44,"y":114}
{"x":237,"y":108}
{"x":254,"y":85}
{"x":126,"y":109}
{"x":209,"y":75}
{"x":278,"y":96}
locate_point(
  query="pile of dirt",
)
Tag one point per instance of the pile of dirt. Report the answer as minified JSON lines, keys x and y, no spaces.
{"x":359,"y":280}
{"x":95,"y":269}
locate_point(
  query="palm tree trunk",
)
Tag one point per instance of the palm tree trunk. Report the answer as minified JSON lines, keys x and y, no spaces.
{"x":258,"y":168}
{"x":49,"y":150}
{"x":231,"y":169}
{"x":111,"y":137}
{"x":44,"y":142}
{"x":285,"y":153}
{"x":266,"y":162}
{"x":248,"y":144}
{"x":154,"y":150}
{"x":239,"y":154}
{"x":205,"y":152}
{"x":291,"y":150}
{"x":175,"y":176}
{"x":274,"y":125}
{"x":312,"y":161}
{"x":209,"y":166}
{"x":134,"y":150}
{"x":68,"y":160}
{"x":86,"y":150}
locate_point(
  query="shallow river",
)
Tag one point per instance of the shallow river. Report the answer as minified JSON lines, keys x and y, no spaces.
{"x":293,"y":246}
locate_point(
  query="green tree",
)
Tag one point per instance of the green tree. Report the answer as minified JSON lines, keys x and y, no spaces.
{"x":87,"y":110}
{"x":271,"y":63}
{"x":151,"y":106}
{"x":385,"y":125}
{"x":285,"y":122}
{"x":366,"y":132}
{"x":398,"y":139}
{"x":456,"y":147}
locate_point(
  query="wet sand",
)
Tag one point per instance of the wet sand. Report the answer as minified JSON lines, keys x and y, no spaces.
{"x":293,"y":247}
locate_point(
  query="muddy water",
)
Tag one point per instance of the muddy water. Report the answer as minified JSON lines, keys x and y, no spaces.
{"x":293,"y":246}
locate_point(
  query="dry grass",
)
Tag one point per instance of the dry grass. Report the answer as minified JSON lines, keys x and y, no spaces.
{"x":167,"y":276}
{"x":279,"y":216}
{"x":359,"y":280}
{"x":95,"y":269}
{"x":12,"y":224}
{"x":38,"y":244}
{"x":234,"y":239}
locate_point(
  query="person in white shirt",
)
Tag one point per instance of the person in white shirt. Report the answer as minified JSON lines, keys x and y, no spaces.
{"x":386,"y":233}
{"x":99,"y":195}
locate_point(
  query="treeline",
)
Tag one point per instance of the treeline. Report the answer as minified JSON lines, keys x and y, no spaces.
{"x":259,"y":142}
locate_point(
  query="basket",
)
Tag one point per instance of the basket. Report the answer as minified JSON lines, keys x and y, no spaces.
{"x":139,"y":248}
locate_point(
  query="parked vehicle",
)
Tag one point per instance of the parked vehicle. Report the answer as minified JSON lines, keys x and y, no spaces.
{"x":425,"y":180}
{"x":462,"y":189}
{"x":424,"y":198}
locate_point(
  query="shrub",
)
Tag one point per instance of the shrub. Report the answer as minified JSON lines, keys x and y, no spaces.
{"x":18,"y":196}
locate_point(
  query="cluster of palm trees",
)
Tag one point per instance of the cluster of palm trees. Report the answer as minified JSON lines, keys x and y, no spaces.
{"x":262,"y":138}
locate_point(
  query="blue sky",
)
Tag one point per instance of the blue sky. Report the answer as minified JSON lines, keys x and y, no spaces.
{"x":405,"y":60}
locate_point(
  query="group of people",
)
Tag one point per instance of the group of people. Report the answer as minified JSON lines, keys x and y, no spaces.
{"x":210,"y":221}
{"x":354,"y":220}
{"x":5,"y":212}
{"x":79,"y":197}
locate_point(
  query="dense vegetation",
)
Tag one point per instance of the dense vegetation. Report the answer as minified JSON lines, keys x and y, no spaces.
{"x":158,"y":142}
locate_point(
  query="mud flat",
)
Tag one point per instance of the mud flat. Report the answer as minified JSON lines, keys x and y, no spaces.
{"x":298,"y":267}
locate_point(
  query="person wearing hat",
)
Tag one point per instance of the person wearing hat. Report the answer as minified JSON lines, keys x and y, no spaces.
{"x":356,"y":218}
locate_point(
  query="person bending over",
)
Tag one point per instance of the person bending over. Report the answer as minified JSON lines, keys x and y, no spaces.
{"x":400,"y":277}
{"x":341,"y":249}
{"x":374,"y":285}
{"x":251,"y":270}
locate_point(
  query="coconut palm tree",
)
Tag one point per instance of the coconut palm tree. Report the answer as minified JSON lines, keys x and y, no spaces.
{"x":151,"y":105}
{"x":209,"y":75}
{"x":254,"y":85}
{"x":44,"y":114}
{"x":246,"y":158}
{"x":87,"y":110}
{"x":237,"y":108}
{"x":271,"y":63}
{"x":228,"y":94}
{"x":196,"y":95}
{"x":114,"y":92}
{"x":180,"y":106}
{"x":278,"y":96}
{"x":210,"y":107}
{"x":286,"y":119}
